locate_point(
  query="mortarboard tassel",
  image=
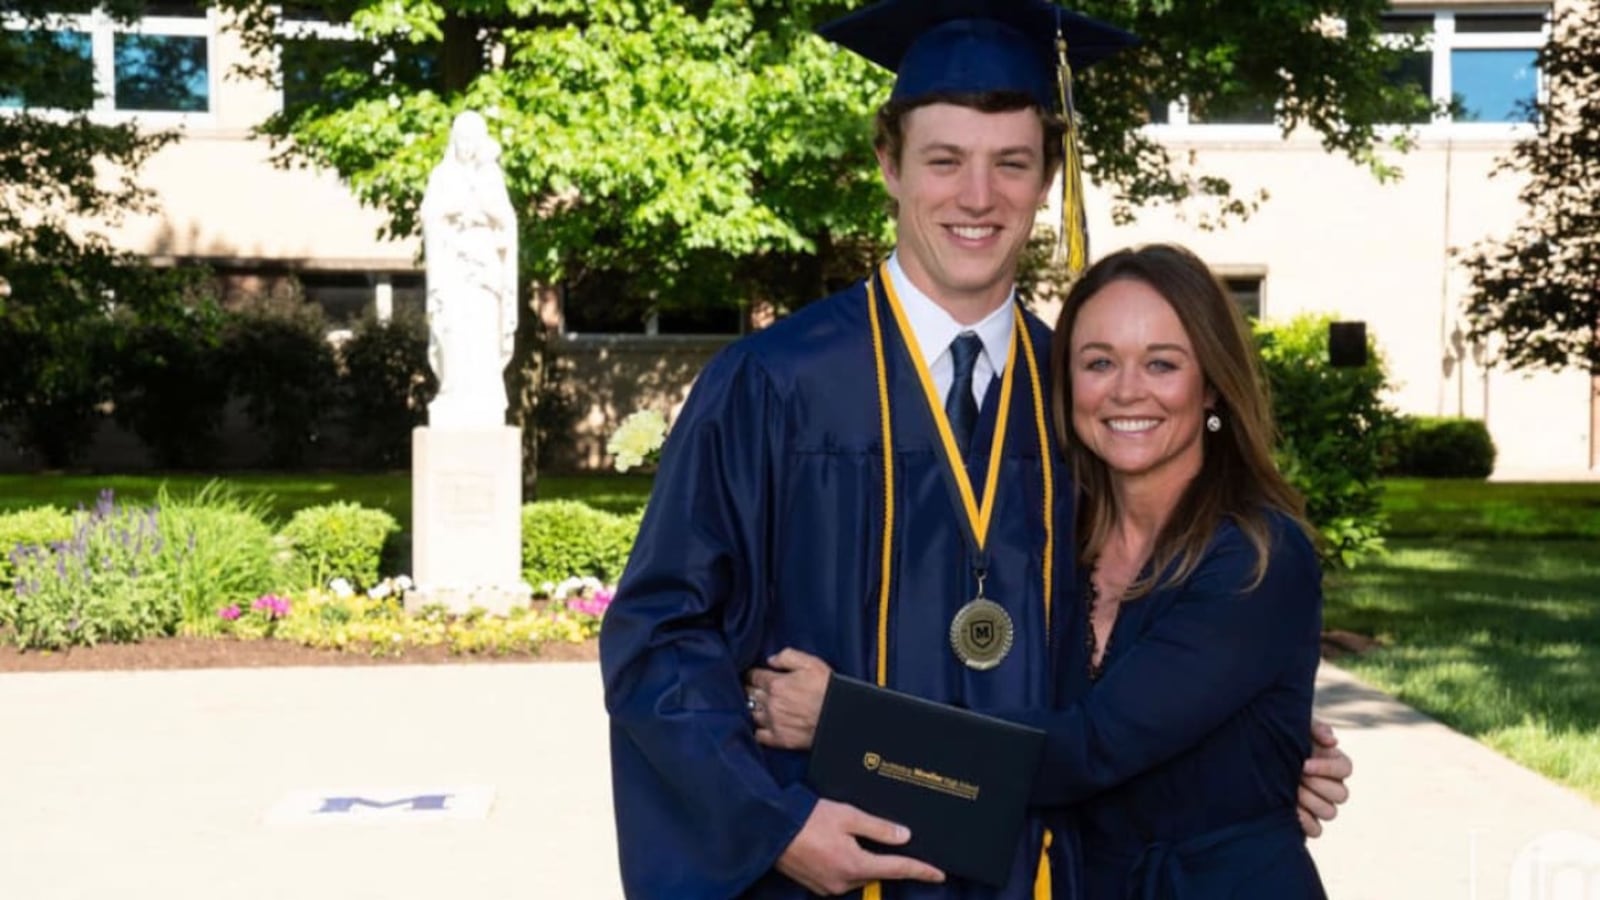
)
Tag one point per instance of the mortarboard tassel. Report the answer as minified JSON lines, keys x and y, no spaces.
{"x":1072,"y":238}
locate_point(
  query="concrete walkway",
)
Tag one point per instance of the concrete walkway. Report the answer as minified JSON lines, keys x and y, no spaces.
{"x":178,"y":785}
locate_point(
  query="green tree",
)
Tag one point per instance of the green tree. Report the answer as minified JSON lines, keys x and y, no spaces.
{"x":677,"y":154}
{"x":1539,"y":288}
{"x":63,"y":175}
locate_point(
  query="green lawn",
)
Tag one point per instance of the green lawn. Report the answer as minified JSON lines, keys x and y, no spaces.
{"x":1429,"y":508}
{"x":1488,"y":609}
{"x":286,"y":493}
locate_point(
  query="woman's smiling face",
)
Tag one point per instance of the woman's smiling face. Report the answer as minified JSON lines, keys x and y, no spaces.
{"x":1138,"y":393}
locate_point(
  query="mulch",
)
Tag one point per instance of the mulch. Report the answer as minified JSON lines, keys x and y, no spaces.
{"x":213,"y":653}
{"x":1337,"y":644}
{"x":216,"y":653}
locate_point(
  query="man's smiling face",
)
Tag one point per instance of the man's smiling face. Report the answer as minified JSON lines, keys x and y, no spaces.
{"x":968,"y":185}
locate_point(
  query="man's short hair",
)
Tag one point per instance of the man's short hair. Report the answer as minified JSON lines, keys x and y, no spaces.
{"x":889,"y":138}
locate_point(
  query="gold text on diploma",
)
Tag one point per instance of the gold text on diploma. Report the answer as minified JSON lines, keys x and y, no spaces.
{"x":917,"y":777}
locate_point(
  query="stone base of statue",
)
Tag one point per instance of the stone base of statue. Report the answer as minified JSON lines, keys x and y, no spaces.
{"x":466,"y":519}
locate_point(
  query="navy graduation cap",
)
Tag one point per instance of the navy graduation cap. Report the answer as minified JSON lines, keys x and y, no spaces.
{"x":940,"y":47}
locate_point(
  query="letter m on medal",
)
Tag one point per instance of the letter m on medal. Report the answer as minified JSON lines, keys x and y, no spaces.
{"x":981,"y":633}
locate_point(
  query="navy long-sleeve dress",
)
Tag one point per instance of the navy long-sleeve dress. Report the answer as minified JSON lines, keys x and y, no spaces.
{"x":1181,"y":762}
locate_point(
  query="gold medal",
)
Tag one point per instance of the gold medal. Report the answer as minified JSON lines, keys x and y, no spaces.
{"x":981,"y":633}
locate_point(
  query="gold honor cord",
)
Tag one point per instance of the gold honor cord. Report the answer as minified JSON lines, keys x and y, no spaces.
{"x":1049,"y":476}
{"x":1042,"y":881}
{"x":977,"y":518}
{"x":888,"y":500}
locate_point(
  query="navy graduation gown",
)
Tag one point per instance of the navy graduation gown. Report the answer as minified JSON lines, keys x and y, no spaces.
{"x":764,"y":530}
{"x":1184,"y":758}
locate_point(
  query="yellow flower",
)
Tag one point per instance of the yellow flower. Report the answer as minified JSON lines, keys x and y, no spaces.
{"x":638,"y":437}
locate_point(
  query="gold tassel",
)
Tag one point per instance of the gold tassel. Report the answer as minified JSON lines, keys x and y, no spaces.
{"x":1041,"y":880}
{"x":1072,"y":238}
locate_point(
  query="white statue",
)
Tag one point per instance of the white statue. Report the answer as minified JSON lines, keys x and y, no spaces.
{"x":469,"y":240}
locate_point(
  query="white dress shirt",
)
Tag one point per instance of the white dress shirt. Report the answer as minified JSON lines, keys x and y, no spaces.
{"x":936,"y":329}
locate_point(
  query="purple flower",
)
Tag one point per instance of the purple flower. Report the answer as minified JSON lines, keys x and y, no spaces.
{"x":230,"y":612}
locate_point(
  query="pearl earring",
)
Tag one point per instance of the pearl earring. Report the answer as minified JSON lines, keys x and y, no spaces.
{"x":1213,"y":423}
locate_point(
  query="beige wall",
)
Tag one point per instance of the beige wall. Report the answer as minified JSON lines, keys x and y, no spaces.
{"x":221,"y":197}
{"x":1332,"y":238}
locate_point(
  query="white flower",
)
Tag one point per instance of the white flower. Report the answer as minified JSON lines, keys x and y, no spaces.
{"x":382,"y":590}
{"x":404,"y":583}
{"x":341,"y":588}
{"x":576,"y":586}
{"x":640,"y":435}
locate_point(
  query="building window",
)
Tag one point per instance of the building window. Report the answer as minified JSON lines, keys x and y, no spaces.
{"x":326,"y":63}
{"x":309,"y":66}
{"x":1493,"y":85}
{"x":160,"y":64}
{"x":161,"y":73}
{"x":1240,"y":109}
{"x":1479,"y":67}
{"x":1246,"y":291}
{"x":602,"y":304}
{"x":1235,"y":110}
{"x":55,"y":68}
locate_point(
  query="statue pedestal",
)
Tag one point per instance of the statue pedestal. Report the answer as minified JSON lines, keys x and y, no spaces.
{"x":466,"y":519}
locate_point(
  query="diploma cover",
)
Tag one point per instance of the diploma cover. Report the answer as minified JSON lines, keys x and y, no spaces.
{"x":958,"y":779}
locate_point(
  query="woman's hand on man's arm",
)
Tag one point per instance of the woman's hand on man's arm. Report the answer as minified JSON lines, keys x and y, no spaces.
{"x":785,"y":699}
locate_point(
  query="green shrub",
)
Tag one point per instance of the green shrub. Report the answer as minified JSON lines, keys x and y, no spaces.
{"x":387,"y":387}
{"x":1333,"y":427}
{"x":171,"y":383}
{"x":281,"y":366}
{"x":563,"y":538}
{"x":1434,"y":447}
{"x":101,"y":585}
{"x":54,"y":382}
{"x":339,"y":540}
{"x":217,"y":551}
{"x":37,"y":527}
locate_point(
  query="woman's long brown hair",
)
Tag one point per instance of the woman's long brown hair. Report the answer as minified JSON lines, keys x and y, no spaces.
{"x":1238,"y":479}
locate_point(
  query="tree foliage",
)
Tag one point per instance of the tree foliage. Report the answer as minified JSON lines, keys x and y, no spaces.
{"x":708,"y":150}
{"x":56,"y":161}
{"x":63,"y":177}
{"x":1539,"y":288}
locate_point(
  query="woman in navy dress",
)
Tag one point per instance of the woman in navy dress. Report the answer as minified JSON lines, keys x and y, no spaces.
{"x":1176,"y":747}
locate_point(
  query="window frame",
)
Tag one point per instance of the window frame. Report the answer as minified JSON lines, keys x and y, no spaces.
{"x":103,"y":32}
{"x":1445,"y":40}
{"x":1440,"y":40}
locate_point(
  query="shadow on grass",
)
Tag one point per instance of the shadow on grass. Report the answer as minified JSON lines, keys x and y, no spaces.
{"x":1352,"y":704}
{"x":1483,"y":634}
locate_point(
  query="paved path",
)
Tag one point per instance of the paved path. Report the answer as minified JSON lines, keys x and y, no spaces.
{"x":165,"y":785}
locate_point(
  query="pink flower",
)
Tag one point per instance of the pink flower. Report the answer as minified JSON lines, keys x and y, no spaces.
{"x":230,"y":612}
{"x":274,"y":606}
{"x":594,"y":605}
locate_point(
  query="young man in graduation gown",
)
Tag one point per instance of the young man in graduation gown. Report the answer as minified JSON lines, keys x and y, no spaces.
{"x":871,"y":480}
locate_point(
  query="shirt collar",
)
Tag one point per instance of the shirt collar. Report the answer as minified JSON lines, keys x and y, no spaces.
{"x":935,"y":328}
